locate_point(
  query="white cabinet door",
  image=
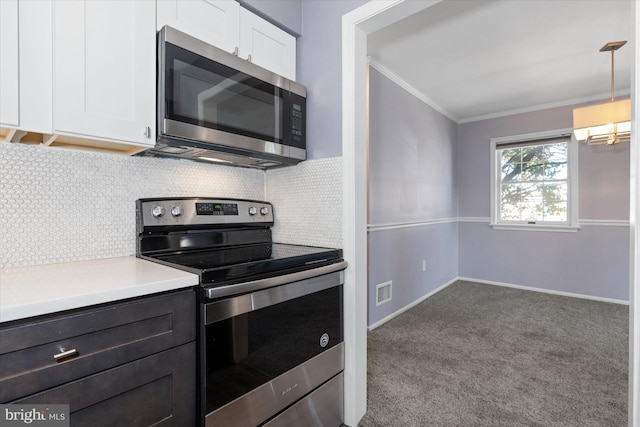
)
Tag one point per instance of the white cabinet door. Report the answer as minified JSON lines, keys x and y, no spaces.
{"x":104,"y":69}
{"x":9,"y":70}
{"x":213,"y":21}
{"x":25,"y":65}
{"x":269,"y":46}
{"x":36,"y":57}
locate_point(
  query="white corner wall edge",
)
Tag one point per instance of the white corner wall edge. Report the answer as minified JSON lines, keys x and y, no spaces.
{"x":355,"y":26}
{"x":634,"y":243}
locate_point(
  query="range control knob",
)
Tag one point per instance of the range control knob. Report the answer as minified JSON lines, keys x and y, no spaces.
{"x":157,"y":211}
{"x":253,"y":210}
{"x":177,"y":211}
{"x":264,"y":211}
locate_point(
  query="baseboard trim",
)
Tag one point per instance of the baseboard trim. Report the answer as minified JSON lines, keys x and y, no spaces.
{"x":544,"y":291}
{"x":409,"y":306}
{"x":493,"y":283}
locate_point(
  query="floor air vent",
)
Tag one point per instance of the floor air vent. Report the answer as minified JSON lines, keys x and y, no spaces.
{"x":383,"y":292}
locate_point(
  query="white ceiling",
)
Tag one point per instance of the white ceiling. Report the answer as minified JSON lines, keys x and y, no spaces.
{"x":475,"y":59}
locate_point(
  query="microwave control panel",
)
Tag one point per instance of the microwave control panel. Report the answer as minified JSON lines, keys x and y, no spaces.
{"x":297,"y":126}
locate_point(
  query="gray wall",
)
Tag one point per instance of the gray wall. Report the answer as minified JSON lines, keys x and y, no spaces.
{"x":320,"y":70}
{"x":411,"y":180}
{"x":593,"y":261}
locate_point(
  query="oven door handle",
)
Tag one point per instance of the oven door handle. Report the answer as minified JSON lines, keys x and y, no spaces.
{"x":286,"y":287}
{"x":255,"y":285}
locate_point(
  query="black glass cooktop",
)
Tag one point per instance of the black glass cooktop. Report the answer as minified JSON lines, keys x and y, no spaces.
{"x":217,"y":267}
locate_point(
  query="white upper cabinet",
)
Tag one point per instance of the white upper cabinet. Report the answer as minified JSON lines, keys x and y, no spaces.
{"x":104,"y":70}
{"x":9,"y":70}
{"x":25,"y":65}
{"x":226,"y":25}
{"x":83,"y":72}
{"x":213,"y":21}
{"x":267,"y":45}
{"x":36,"y":57}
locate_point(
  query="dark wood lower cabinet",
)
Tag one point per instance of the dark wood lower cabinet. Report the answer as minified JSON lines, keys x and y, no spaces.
{"x":157,"y":390}
{"x":132,"y":364}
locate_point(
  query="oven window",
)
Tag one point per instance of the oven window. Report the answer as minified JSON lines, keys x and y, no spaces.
{"x":205,"y":93}
{"x":246,"y":351}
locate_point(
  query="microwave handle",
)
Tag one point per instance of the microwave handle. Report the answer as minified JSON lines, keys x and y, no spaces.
{"x":236,"y":53}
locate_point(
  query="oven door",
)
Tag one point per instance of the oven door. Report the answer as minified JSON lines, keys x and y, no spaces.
{"x":264,"y":351}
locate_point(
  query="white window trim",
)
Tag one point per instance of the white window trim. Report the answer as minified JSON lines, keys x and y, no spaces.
{"x":572,"y":225}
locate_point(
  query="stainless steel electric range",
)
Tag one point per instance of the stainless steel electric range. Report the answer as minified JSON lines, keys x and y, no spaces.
{"x":270,"y":325}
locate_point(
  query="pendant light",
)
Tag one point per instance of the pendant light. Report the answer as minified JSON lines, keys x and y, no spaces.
{"x":608,"y":122}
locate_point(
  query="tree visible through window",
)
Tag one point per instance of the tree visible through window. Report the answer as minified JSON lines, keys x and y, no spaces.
{"x":534,"y":183}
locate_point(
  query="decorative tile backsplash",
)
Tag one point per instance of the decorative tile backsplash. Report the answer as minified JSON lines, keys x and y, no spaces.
{"x":307,"y":202}
{"x":61,"y":205}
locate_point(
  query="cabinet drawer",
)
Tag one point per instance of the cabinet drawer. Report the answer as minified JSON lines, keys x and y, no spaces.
{"x":157,"y":390}
{"x":103,"y":337}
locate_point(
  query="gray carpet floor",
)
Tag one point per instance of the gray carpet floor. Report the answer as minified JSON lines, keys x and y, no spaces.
{"x":482,"y":355}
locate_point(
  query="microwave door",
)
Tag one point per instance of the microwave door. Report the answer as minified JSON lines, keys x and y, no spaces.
{"x":244,"y":109}
{"x":218,"y":94}
{"x":188,"y":84}
{"x":235,"y":103}
{"x":194,"y":86}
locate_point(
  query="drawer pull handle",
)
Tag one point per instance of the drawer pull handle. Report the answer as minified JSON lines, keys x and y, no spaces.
{"x":63,"y":355}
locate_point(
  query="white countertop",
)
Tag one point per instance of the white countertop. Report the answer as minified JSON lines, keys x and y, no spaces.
{"x":45,"y":289}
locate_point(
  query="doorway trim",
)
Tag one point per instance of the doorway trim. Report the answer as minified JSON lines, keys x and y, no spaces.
{"x":356,"y":25}
{"x":634,"y":241}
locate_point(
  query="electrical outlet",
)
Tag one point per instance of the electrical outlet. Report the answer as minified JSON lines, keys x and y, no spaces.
{"x":424,"y":265}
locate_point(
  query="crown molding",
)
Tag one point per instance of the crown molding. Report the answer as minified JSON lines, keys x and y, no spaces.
{"x":406,"y":86}
{"x":382,"y":69}
{"x":540,"y":107}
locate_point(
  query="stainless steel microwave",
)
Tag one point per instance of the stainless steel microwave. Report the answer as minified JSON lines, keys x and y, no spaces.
{"x":215,"y":106}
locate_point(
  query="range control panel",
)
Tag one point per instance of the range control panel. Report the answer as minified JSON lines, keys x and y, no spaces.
{"x":202,"y":211}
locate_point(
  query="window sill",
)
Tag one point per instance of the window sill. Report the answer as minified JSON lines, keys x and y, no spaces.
{"x":537,"y":227}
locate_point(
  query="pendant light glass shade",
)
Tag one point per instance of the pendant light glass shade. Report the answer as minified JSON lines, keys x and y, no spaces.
{"x":608,"y":122}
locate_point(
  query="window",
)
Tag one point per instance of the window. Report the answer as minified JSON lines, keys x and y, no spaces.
{"x":534,"y":184}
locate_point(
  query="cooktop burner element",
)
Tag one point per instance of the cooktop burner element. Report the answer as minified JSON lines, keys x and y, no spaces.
{"x":224,"y":241}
